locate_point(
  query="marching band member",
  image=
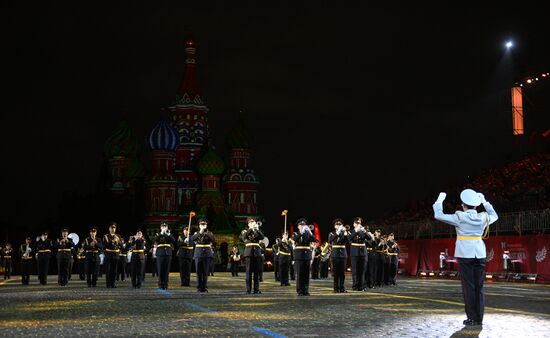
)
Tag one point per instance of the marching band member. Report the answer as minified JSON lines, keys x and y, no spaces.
{"x":43,"y":253}
{"x":302,"y":256}
{"x":378,"y":258}
{"x":164,"y":242}
{"x":137,"y":263}
{"x":111,"y":245}
{"x":393,"y":251}
{"x":26,"y":251}
{"x":315,"y":261}
{"x":185,"y":257}
{"x":470,"y":249}
{"x":122,"y":258}
{"x":338,"y":239}
{"x":92,"y":245}
{"x":252,"y":254}
{"x":370,"y":270}
{"x":203,"y":255}
{"x":64,"y":247}
{"x":7,"y":254}
{"x":381,"y":250}
{"x":285,"y":259}
{"x":81,"y":263}
{"x":358,"y":253}
{"x":235,"y":260}
{"x":275,"y":255}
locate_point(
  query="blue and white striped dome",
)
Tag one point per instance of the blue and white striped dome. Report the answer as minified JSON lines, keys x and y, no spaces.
{"x":163,"y":136}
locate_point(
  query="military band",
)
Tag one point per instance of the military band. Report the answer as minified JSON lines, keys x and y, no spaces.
{"x":92,"y":246}
{"x":235,"y":261}
{"x":252,"y":255}
{"x":26,"y":251}
{"x":203,"y":255}
{"x":164,"y":242}
{"x":285,"y":259}
{"x":7,"y":259}
{"x":185,"y":257}
{"x":338,"y":240}
{"x":111,"y":245}
{"x":359,"y":256}
{"x":302,"y":256}
{"x":64,"y":246}
{"x":374,"y":258}
{"x":122,"y":259}
{"x":43,"y":254}
{"x":137,"y":264}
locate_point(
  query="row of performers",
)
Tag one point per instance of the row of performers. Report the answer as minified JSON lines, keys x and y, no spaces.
{"x":197,"y":247}
{"x":365,"y":247}
{"x":374,"y":257}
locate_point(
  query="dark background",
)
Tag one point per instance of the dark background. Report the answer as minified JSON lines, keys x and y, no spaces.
{"x":354,"y":110}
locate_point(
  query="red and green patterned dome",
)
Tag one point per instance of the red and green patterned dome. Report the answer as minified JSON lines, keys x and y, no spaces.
{"x":211,"y":164}
{"x":122,"y":142}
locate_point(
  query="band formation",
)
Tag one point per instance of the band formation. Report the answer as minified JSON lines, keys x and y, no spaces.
{"x":296,"y":257}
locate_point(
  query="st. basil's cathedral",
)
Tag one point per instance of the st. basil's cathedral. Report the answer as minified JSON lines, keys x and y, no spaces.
{"x":186,"y":174}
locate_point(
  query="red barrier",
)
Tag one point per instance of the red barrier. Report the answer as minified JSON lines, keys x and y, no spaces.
{"x":529,"y":253}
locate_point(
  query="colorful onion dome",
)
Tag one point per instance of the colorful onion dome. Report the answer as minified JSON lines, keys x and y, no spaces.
{"x":211,"y":164}
{"x":122,"y":142}
{"x":163,"y":136}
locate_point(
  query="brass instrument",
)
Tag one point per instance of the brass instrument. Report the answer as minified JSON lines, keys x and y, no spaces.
{"x":27,"y":252}
{"x":313,"y":248}
{"x":325,"y":252}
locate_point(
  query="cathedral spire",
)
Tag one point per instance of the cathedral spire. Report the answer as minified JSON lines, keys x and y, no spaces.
{"x":189,"y":92}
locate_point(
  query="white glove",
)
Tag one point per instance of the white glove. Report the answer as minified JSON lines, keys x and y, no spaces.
{"x":482,"y":198}
{"x":441,"y":197}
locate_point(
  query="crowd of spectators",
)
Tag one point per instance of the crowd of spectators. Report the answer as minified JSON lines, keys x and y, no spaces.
{"x":517,"y":186}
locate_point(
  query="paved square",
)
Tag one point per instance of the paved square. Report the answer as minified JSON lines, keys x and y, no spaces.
{"x":413,"y":308}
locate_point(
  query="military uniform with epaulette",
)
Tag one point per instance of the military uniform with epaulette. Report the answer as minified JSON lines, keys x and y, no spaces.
{"x":203,"y":256}
{"x":359,"y":257}
{"x":43,"y":254}
{"x":338,"y":257}
{"x":253,"y":258}
{"x":64,"y":248}
{"x":185,"y":258}
{"x":165,"y":246}
{"x":26,"y":251}
{"x":92,"y":246}
{"x":302,"y":257}
{"x":285,"y":259}
{"x":111,"y":247}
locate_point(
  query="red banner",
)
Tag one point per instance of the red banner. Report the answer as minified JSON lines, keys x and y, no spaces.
{"x":529,"y":254}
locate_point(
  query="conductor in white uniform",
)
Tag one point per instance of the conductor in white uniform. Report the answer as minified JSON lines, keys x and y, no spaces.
{"x":470,"y":248}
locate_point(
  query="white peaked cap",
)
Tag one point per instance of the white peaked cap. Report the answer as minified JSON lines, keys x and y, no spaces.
{"x":470,"y":197}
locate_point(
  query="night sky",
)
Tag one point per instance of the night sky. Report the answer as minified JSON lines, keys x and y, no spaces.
{"x":354,"y":110}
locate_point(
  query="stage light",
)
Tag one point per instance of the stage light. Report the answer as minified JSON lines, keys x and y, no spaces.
{"x":536,"y":79}
{"x":488,"y":276}
{"x":432,"y":274}
{"x":509,"y":44}
{"x":422,"y":273}
{"x":521,"y":84}
{"x":544,"y":75}
{"x":349,"y":269}
{"x":529,"y":80}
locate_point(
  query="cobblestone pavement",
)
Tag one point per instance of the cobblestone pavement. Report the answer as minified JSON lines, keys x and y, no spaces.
{"x":413,"y":308}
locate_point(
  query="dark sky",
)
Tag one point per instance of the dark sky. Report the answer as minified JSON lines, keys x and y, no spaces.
{"x":355,"y":110}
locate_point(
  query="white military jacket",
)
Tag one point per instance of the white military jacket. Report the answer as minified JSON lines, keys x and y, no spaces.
{"x":470,"y":224}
